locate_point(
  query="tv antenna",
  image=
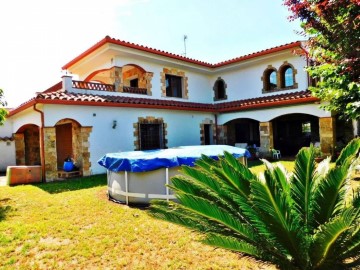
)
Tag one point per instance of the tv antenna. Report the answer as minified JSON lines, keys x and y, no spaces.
{"x":185,"y":38}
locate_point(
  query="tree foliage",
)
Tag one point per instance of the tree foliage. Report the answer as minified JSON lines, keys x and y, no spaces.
{"x":333,"y":29}
{"x":305,"y":220}
{"x":3,"y":103}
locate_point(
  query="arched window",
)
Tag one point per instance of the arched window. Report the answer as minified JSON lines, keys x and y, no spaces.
{"x":287,"y":76}
{"x":270,"y":79}
{"x":220,"y":89}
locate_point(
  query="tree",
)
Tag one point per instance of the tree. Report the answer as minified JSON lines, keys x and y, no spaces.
{"x":305,"y":220}
{"x":3,"y":103}
{"x":333,"y":29}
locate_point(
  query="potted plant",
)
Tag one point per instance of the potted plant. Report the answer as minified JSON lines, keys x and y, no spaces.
{"x":68,"y":164}
{"x":319,"y":156}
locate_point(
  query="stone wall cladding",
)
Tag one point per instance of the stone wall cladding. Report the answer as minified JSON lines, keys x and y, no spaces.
{"x":266,"y":137}
{"x":327,"y":135}
{"x":175,"y":72}
{"x":148,"y":120}
{"x":19,"y":148}
{"x":50,"y":153}
{"x":202,"y":130}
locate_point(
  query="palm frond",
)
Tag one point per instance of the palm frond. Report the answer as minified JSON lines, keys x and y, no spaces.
{"x":206,"y":163}
{"x":177,"y":214}
{"x":330,"y":193}
{"x":232,"y":243}
{"x":351,"y":150}
{"x":200,"y":189}
{"x":326,"y":239}
{"x":275,"y":210}
{"x":212,"y":212}
{"x":302,"y":185}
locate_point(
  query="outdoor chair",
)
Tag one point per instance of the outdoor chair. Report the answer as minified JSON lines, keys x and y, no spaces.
{"x":276,"y":154}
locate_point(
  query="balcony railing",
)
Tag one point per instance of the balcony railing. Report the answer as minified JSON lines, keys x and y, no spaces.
{"x":93,"y":86}
{"x":134,"y":90}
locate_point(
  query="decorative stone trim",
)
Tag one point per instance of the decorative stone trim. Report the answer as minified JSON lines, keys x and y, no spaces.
{"x":221,"y":134}
{"x":327,"y":128}
{"x":215,"y":88}
{"x":175,"y":72}
{"x":50,"y":153}
{"x":202,"y":130}
{"x":280,"y":78}
{"x":19,"y":148}
{"x":266,"y":137}
{"x":149,"y":120}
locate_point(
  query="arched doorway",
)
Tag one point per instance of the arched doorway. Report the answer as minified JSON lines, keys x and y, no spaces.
{"x":67,"y":140}
{"x":244,"y":130}
{"x":27,"y":145}
{"x":293,"y":131}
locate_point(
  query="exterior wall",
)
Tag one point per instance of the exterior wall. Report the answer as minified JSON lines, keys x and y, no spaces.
{"x":7,"y":156}
{"x":239,"y":86}
{"x":199,"y":86}
{"x":183,"y":127}
{"x":7,"y":145}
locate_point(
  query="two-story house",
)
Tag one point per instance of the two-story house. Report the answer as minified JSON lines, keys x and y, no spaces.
{"x":130,"y":97}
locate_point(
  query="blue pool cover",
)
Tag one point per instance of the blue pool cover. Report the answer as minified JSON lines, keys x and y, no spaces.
{"x":143,"y":161}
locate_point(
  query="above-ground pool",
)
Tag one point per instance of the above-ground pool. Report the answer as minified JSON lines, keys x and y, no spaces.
{"x":139,"y":176}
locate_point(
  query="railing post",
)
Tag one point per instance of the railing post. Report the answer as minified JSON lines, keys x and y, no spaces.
{"x":67,"y":83}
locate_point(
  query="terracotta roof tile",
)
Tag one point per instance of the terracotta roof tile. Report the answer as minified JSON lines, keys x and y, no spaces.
{"x":105,"y":100}
{"x":119,"y":42}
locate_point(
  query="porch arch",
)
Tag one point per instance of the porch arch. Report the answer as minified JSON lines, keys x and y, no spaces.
{"x":67,"y":138}
{"x":27,"y":145}
{"x":291,"y":132}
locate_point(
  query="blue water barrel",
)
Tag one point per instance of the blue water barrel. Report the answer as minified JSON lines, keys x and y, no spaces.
{"x":68,"y":166}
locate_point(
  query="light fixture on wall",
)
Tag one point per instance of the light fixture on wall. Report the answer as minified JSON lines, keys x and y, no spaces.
{"x":114,"y":124}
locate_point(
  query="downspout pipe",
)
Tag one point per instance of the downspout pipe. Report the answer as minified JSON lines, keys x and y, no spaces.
{"x":42,"y":143}
{"x":216,"y":128}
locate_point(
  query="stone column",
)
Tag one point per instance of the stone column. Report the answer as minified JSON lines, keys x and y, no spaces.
{"x":85,"y":150}
{"x":221,"y":134}
{"x":148,"y":76}
{"x":116,"y":78}
{"x":327,"y":135}
{"x":266,"y":137}
{"x":50,"y":154}
{"x":20,"y":148}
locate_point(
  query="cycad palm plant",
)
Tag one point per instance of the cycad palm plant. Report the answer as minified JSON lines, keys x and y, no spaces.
{"x":308,"y":219}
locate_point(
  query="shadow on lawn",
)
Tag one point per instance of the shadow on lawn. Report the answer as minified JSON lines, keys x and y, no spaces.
{"x":4,"y":209}
{"x":73,"y":184}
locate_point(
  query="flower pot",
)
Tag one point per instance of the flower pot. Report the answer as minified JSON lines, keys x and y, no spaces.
{"x":68,"y":166}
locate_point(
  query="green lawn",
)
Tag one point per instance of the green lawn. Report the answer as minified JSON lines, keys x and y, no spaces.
{"x":72,"y":224}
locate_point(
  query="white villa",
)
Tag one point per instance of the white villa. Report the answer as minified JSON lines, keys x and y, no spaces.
{"x":132,"y":97}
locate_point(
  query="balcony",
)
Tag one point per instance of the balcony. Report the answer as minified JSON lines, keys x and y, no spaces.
{"x":73,"y":85}
{"x":93,"y":86}
{"x":134,"y":90}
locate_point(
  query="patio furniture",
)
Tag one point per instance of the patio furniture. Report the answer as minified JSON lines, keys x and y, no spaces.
{"x":276,"y":154}
{"x":241,"y":145}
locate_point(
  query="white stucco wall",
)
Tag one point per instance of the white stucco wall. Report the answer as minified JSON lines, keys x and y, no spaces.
{"x":7,"y":147}
{"x":7,"y":154}
{"x":245,"y":81}
{"x":183,"y":127}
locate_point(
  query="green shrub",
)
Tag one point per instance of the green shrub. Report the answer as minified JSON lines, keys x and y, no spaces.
{"x":305,"y":220}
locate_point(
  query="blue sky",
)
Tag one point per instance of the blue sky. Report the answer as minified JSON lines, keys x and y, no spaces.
{"x":39,"y":36}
